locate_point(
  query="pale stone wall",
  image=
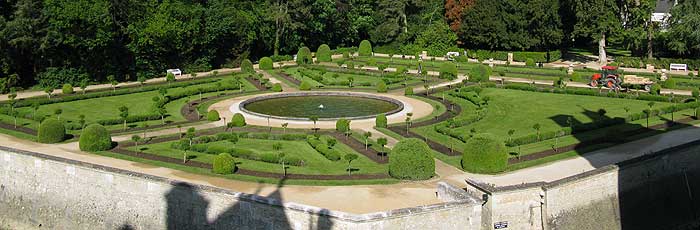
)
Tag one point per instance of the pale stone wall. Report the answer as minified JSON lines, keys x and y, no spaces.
{"x":39,"y":191}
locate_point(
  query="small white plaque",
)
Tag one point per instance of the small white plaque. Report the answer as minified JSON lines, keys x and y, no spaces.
{"x":109,"y":178}
{"x":37,"y":163}
{"x":7,"y":157}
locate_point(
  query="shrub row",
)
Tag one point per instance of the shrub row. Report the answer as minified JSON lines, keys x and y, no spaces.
{"x":659,"y":63}
{"x":318,"y":144}
{"x":44,"y":101}
{"x":594,"y":92}
{"x":520,"y":56}
{"x":129,"y":119}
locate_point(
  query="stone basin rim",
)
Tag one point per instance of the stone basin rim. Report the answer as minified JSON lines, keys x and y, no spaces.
{"x":242,"y":105}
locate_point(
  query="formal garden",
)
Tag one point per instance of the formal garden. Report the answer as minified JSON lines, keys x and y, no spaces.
{"x":477,"y":121}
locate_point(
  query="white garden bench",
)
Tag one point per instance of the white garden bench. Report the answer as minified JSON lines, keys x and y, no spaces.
{"x":679,"y":67}
{"x":176,"y":72}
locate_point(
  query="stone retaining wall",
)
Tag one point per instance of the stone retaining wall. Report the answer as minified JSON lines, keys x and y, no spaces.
{"x":41,"y":191}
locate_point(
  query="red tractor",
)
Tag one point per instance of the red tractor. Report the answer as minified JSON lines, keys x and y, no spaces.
{"x":608,"y":77}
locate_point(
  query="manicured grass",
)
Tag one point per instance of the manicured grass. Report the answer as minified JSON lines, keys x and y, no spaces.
{"x":314,"y":162}
{"x":359,"y":80}
{"x":207,"y":172}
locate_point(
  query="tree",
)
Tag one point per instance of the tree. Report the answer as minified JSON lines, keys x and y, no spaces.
{"x":696,"y":96}
{"x":453,"y":12}
{"x":411,"y":159}
{"x":597,"y":19}
{"x":170,"y":78}
{"x":366,"y":136}
{"x":510,"y":135}
{"x":94,"y":138}
{"x":266,"y":63}
{"x":314,"y":119}
{"x":650,"y":111}
{"x":81,"y":121}
{"x":683,"y":27}
{"x":479,"y":73}
{"x":408,"y":91}
{"x":537,"y":127}
{"x":351,"y":79}
{"x":113,"y":82}
{"x":284,"y":127}
{"x":365,"y":49}
{"x":350,"y":157}
{"x":58,"y":113}
{"x":189,"y":135}
{"x":124,"y":114}
{"x":136,"y":138}
{"x":48,"y":91}
{"x":343,"y":126}
{"x":84,"y":84}
{"x":382,"y":142}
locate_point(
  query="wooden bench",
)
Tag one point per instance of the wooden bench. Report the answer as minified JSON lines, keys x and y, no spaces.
{"x":679,"y":67}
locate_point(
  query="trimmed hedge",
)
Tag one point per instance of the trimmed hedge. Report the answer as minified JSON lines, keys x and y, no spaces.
{"x":238,"y":120}
{"x":319,"y":145}
{"x":304,"y":56}
{"x":658,"y":63}
{"x":266,"y":63}
{"x":95,"y":137}
{"x":519,"y":56}
{"x":305,"y":86}
{"x":365,"y":49}
{"x":480,"y":73}
{"x":381,"y":87}
{"x":323,"y":53}
{"x":51,"y":131}
{"x":484,"y":153}
{"x":213,"y":115}
{"x":247,"y":66}
{"x":342,"y":125}
{"x":448,"y":70}
{"x":67,"y":89}
{"x":411,"y":159}
{"x":381,"y":121}
{"x":224,"y":163}
{"x":408,"y":91}
{"x":277,"y":87}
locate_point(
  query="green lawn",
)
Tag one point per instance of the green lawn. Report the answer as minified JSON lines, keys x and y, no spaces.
{"x":107,"y":107}
{"x":314,"y":162}
{"x":340,"y":80}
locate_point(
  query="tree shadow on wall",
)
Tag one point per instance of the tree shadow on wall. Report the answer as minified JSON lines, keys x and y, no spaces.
{"x":656,"y":194}
{"x":187,"y":209}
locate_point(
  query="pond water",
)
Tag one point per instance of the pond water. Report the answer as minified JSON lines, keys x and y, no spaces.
{"x":321,"y":106}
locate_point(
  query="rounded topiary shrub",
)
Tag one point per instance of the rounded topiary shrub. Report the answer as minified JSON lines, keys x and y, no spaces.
{"x":381,"y":121}
{"x":448,"y":70}
{"x":365,"y":48}
{"x":238,"y":120}
{"x":213,"y":115}
{"x":305,"y":86}
{"x":411,"y":159}
{"x":95,"y":137}
{"x":323,"y":54}
{"x":224,"y":163}
{"x":67,"y":89}
{"x":266,"y":63}
{"x":381,"y":87}
{"x":247,"y":66}
{"x":484,"y":153}
{"x":530,"y":62}
{"x":408,"y":91}
{"x":304,"y":56}
{"x":51,"y":131}
{"x":277,"y":87}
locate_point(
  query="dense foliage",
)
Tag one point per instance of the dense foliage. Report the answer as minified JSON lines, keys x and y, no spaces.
{"x":55,"y":42}
{"x":381,"y":121}
{"x":484,"y":153}
{"x":95,"y":137}
{"x":304,"y":56}
{"x":247,"y":66}
{"x":51,"y":131}
{"x":411,"y":159}
{"x":266,"y":63}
